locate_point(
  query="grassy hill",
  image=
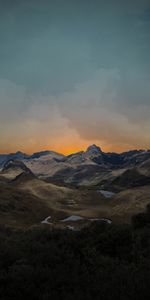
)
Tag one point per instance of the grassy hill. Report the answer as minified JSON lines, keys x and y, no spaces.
{"x":27,"y":201}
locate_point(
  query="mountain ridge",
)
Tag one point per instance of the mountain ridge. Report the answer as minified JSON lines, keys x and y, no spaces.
{"x":92,"y":146}
{"x":82,"y":168}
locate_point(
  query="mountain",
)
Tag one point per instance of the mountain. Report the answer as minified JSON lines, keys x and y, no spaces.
{"x":94,"y":155}
{"x":18,"y":156}
{"x":24,"y":177}
{"x":94,"y":167}
{"x":93,"y":152}
{"x":88,"y":157}
{"x":13,"y":168}
{"x":130,"y":178}
{"x":90,"y":167}
{"x":48,"y":184}
{"x":14,"y":164}
{"x":46,"y":155}
{"x":45,"y":163}
{"x":81,"y":175}
{"x":144,"y":167}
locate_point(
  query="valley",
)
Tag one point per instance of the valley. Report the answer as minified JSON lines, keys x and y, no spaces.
{"x":47,"y":187}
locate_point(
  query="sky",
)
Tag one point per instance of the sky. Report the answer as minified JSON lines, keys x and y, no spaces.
{"x":74,"y":73}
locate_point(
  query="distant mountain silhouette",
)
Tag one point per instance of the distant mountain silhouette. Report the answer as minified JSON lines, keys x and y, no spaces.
{"x":90,"y":167}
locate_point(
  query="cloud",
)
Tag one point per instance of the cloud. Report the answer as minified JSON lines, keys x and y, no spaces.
{"x":103,"y":109}
{"x":78,"y":74}
{"x":32,"y":122}
{"x":100,"y":109}
{"x":12,"y":101}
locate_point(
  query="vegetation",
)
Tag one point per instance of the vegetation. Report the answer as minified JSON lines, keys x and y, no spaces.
{"x":100,"y":262}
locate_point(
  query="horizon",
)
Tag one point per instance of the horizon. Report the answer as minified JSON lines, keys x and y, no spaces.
{"x":72,"y":152}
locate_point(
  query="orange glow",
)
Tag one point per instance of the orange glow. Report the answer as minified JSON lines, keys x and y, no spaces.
{"x":66,"y":148}
{"x":66,"y":144}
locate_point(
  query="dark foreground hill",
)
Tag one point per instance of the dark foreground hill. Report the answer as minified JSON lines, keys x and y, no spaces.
{"x":103,"y":261}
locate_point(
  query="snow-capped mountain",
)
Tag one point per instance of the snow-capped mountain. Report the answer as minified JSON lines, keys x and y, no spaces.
{"x":92,"y":163}
{"x":85,"y":157}
{"x":18,"y":156}
{"x":12,"y":168}
{"x":45,"y":155}
{"x":93,"y":151}
{"x":45,"y":163}
{"x":14,"y":164}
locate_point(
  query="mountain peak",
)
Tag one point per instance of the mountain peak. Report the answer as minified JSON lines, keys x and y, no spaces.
{"x":94,"y":149}
{"x":93,"y":152}
{"x":20,"y":153}
{"x":46,"y":153}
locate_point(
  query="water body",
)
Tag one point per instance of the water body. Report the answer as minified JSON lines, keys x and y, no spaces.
{"x":46,"y":221}
{"x":107,"y":194}
{"x":73,"y":219}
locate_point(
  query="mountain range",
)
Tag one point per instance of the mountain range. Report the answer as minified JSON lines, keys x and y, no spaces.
{"x":83,"y":186}
{"x":84,"y":168}
{"x":93,"y":155}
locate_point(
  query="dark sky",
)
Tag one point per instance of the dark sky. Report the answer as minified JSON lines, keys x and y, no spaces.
{"x":74,"y":73}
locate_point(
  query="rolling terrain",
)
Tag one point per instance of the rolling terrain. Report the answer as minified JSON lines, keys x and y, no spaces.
{"x":48,"y":188}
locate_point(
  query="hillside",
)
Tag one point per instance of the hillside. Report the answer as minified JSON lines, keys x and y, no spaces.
{"x":86,"y":186}
{"x":102,"y":261}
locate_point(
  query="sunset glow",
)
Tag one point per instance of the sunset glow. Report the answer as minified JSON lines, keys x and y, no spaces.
{"x":71,"y":75}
